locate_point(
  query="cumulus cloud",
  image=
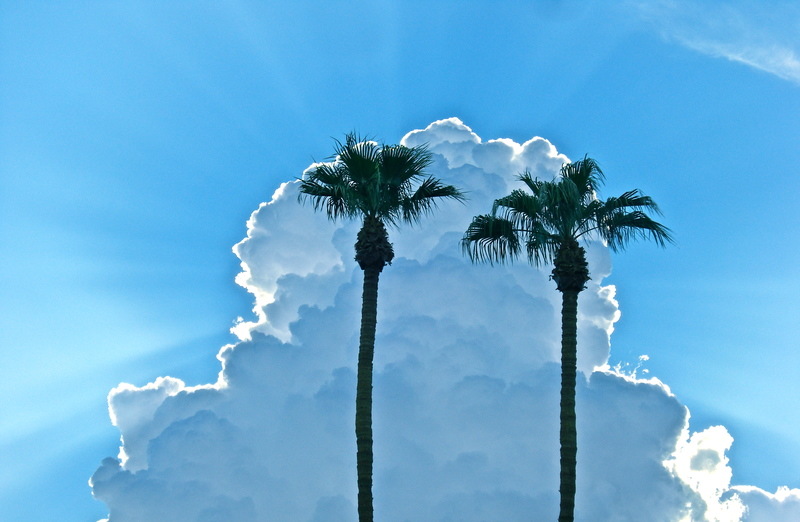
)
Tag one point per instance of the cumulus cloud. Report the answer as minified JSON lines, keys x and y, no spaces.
{"x":758,"y":34}
{"x":466,"y":386}
{"x":762,"y":506}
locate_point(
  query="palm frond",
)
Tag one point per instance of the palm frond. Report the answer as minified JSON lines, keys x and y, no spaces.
{"x":585,"y":174}
{"x":490,"y":239}
{"x":519,"y":208}
{"x":327,"y":188}
{"x":620,"y":228}
{"x":534,"y":184}
{"x":565,"y":199}
{"x":426,"y":198}
{"x":359,"y":157}
{"x":633,"y":199}
{"x":400,"y":164}
{"x":542,"y":247}
{"x":619,"y":220}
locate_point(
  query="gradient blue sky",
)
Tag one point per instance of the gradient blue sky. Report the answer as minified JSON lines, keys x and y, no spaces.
{"x":136,"y":138}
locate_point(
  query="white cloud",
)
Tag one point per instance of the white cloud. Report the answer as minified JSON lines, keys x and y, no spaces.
{"x":466,"y":385}
{"x":762,"y":506}
{"x":278,"y":236}
{"x":700,"y":462}
{"x":762,"y":35}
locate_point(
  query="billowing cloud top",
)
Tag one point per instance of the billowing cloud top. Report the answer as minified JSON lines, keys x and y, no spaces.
{"x":466,"y":386}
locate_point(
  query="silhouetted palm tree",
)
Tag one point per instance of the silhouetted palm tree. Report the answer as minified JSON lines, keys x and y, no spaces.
{"x":547,"y":224}
{"x":383,"y":185}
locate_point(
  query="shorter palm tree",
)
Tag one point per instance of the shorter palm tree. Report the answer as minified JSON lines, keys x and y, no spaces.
{"x":383,"y":185}
{"x":547,"y":224}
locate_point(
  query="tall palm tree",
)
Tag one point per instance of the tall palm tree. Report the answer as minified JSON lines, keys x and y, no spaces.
{"x":383,"y":185}
{"x":547,"y":224}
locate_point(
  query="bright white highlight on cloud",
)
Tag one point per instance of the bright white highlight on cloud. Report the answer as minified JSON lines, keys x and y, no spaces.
{"x":747,"y":32}
{"x":276,"y":234}
{"x":466,"y":386}
{"x":700,"y":462}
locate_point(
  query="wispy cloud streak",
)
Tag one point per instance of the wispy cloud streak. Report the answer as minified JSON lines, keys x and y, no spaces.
{"x":762,"y":35}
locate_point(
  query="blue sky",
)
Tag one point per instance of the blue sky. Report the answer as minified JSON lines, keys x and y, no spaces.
{"x":137,"y":138}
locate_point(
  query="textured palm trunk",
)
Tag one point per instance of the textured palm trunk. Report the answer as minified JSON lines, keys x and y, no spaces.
{"x":366,"y":350}
{"x":569,"y":433}
{"x":373,"y":252}
{"x":571,"y":273}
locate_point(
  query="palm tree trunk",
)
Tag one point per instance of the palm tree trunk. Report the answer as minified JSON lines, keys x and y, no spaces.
{"x":366,"y":350}
{"x":569,"y":433}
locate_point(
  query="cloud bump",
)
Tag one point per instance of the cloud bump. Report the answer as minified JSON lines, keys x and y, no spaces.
{"x":466,"y":385}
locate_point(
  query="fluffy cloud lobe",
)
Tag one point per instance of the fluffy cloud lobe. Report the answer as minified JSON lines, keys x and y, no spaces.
{"x":466,"y":386}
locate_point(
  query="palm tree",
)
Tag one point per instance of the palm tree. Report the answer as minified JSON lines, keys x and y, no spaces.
{"x":547,"y":224}
{"x":383,"y":185}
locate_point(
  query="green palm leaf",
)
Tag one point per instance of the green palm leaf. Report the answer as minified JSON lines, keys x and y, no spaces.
{"x":491,"y":239}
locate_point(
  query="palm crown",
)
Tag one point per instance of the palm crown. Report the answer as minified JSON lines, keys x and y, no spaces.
{"x":559,"y":212}
{"x":384,"y":182}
